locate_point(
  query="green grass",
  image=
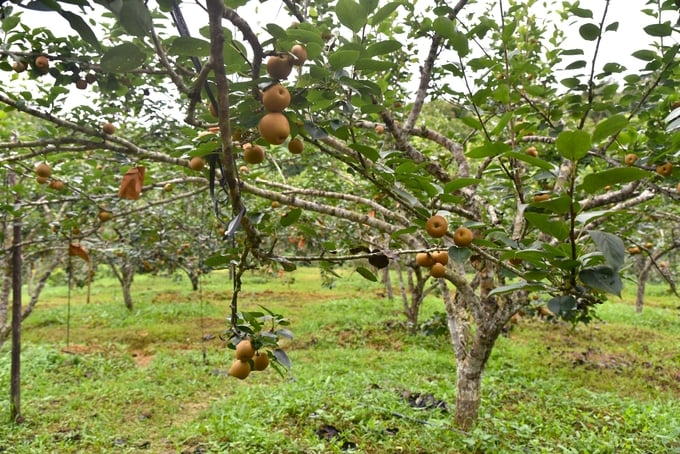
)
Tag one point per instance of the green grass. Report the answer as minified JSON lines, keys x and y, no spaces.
{"x":154,"y":380}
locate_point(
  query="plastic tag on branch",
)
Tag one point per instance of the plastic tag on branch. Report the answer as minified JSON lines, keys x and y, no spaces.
{"x":77,"y":250}
{"x":131,"y":186}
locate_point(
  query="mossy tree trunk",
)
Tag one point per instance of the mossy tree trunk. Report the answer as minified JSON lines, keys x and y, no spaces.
{"x":475,"y":321}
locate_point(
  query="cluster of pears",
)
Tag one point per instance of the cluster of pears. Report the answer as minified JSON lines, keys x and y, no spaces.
{"x":273,"y":126}
{"x":247,"y":359}
{"x":437,"y":226}
{"x":41,"y":63}
{"x":664,"y":169}
{"x":436,"y":261}
{"x":44,"y":172}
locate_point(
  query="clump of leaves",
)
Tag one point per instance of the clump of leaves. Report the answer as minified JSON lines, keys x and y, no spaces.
{"x":437,"y":325}
{"x":264,"y":329}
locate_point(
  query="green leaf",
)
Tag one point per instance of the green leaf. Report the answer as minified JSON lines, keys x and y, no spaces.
{"x":351,"y":14}
{"x":460,"y":43}
{"x":384,"y":12}
{"x":368,"y":64}
{"x":589,"y":32}
{"x":79,"y":25}
{"x":188,"y":46}
{"x":217,"y":261}
{"x":502,"y":93}
{"x":570,"y":82}
{"x":406,"y":231}
{"x":582,"y":12}
{"x":573,"y":145}
{"x":291,"y":217}
{"x":578,"y":64}
{"x":609,"y":127}
{"x":459,"y":254}
{"x":135,"y":18}
{"x":277,"y":31}
{"x":557,"y":205}
{"x":471,"y":121}
{"x":367,"y":274}
{"x":459,"y":183}
{"x":545,"y":224}
{"x":602,"y":278}
{"x":122,"y":58}
{"x":644,"y":54}
{"x":365,"y":150}
{"x":562,"y":305}
{"x":502,"y":123}
{"x":538,"y":162}
{"x":383,"y":47}
{"x":596,"y":181}
{"x":614,"y":26}
{"x":9,"y":22}
{"x":444,"y":26}
{"x":659,"y":30}
{"x":611,"y":246}
{"x":589,"y":216}
{"x":343,"y":58}
{"x":489,"y":149}
{"x":282,"y":358}
{"x":522,"y":285}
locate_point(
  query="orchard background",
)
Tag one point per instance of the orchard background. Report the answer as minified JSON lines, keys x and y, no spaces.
{"x":557,"y":159}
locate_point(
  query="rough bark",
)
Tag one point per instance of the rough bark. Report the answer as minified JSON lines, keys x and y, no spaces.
{"x":387,"y":280}
{"x":412,"y":306}
{"x":128,"y":276}
{"x":125,"y":276}
{"x":17,"y":271}
{"x":643,"y":276}
{"x":475,"y":324}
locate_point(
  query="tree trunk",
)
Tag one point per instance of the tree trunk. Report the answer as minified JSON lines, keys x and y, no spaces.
{"x":387,"y":280}
{"x":128,"y":276}
{"x":640,"y":295}
{"x":125,"y":276}
{"x":642,"y":268}
{"x":17,"y":265}
{"x":468,"y":396}
{"x":474,"y":326}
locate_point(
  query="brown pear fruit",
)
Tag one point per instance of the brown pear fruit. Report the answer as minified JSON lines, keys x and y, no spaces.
{"x":42,"y":64}
{"x":276,"y":98}
{"x":436,"y":226}
{"x":438,"y":270}
{"x":245,"y":350}
{"x":424,"y":259}
{"x":196,"y":163}
{"x":441,"y":257}
{"x":296,"y":146}
{"x":300,"y":53}
{"x":108,"y":128}
{"x":463,"y":236}
{"x":280,"y":66}
{"x":240,"y":369}
{"x":261,"y":360}
{"x":630,"y":159}
{"x":253,"y":154}
{"x":665,"y":169}
{"x":43,"y":169}
{"x":274,"y":128}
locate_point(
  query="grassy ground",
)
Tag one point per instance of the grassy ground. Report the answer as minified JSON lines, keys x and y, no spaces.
{"x":154,"y":380}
